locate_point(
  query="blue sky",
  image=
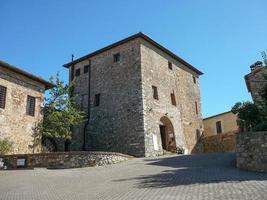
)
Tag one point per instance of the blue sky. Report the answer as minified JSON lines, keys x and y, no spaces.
{"x":221,"y":38}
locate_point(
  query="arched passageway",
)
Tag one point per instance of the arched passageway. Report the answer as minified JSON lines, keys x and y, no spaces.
{"x":167,"y":134}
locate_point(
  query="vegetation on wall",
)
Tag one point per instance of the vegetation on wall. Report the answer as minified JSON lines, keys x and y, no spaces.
{"x":60,"y":112}
{"x":5,"y":146}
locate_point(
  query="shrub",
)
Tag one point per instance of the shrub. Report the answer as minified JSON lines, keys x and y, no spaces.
{"x":5,"y":146}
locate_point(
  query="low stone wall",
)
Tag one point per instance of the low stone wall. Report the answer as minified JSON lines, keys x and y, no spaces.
{"x":220,"y":143}
{"x":251,"y":151}
{"x":62,"y":160}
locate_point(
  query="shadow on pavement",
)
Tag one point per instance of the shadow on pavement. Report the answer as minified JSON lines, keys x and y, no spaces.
{"x":195,"y":169}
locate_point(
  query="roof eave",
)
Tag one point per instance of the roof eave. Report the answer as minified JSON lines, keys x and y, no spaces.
{"x":145,"y":37}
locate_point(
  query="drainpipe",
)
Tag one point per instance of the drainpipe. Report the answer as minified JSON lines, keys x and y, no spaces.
{"x":88,"y":107}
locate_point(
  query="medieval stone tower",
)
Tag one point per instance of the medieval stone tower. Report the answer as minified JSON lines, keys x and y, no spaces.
{"x":140,"y":98}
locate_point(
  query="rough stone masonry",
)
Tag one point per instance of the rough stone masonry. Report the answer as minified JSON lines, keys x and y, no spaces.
{"x":141,"y":99}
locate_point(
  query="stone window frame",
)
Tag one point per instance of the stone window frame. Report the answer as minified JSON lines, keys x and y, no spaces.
{"x":196,"y":107}
{"x":219,"y":129}
{"x":3,"y":93}
{"x":86,"y":69}
{"x":78,"y":72}
{"x":195,"y":79}
{"x":97,"y":100}
{"x":31,"y":104}
{"x":116,"y":58}
{"x":170,"y":65}
{"x":155,"y":92}
{"x":173,"y":99}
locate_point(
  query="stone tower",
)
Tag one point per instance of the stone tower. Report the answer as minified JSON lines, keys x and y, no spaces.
{"x":141,"y":99}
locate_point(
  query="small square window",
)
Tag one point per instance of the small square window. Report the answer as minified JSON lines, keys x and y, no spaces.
{"x":155,"y":92}
{"x":194,"y":79}
{"x":77,"y":72}
{"x":3,"y":97}
{"x":97,"y":100}
{"x":116,"y":57}
{"x":170,"y":65}
{"x":30,"y":108}
{"x":86,"y":69}
{"x":173,"y":99}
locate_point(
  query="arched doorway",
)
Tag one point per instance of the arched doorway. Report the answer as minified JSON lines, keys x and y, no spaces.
{"x":167,"y":134}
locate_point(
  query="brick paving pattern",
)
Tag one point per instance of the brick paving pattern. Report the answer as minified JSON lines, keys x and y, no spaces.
{"x":192,"y":177}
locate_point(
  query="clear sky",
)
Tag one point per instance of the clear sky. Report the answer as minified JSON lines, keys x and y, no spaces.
{"x":221,"y":38}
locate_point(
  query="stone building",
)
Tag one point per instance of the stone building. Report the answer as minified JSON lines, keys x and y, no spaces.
{"x":220,"y":132}
{"x":220,"y":124}
{"x":255,"y":82}
{"x":143,"y":99}
{"x":21,"y":97}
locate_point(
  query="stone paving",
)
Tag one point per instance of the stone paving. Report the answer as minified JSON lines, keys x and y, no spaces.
{"x":192,"y":177}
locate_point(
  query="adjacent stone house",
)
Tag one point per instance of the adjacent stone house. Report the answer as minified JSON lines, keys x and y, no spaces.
{"x":255,"y":82}
{"x":140,"y":97}
{"x":220,"y":132}
{"x":21,"y":97}
{"x":222,"y":123}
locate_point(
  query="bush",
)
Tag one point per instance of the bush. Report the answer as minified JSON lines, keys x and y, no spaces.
{"x":5,"y":146}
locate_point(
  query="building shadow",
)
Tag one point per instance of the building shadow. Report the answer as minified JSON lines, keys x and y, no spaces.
{"x":194,"y":169}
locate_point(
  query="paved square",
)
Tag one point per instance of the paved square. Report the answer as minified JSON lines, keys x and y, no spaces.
{"x":192,"y":177}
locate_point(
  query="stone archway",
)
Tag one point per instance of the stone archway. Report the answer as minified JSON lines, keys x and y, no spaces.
{"x":167,"y":134}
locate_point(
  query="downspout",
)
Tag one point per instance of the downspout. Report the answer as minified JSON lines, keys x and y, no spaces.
{"x":88,"y":107}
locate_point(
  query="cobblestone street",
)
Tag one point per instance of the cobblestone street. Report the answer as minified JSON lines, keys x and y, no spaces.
{"x":192,"y":177}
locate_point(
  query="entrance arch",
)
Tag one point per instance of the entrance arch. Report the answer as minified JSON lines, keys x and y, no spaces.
{"x":167,"y":134}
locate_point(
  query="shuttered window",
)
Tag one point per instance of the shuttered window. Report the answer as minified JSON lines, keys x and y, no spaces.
{"x":173,"y":99}
{"x":30,"y":108}
{"x":2,"y":97}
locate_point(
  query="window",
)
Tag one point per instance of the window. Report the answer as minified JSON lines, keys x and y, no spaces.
{"x":2,"y":97}
{"x":86,"y":69}
{"x":97,"y":100}
{"x":116,"y":58}
{"x":77,"y":72}
{"x":71,"y":73}
{"x":155,"y":92}
{"x":219,"y":127}
{"x":170,"y":65}
{"x":194,"y":80}
{"x":196,"y":107}
{"x":30,"y":108}
{"x":173,"y":99}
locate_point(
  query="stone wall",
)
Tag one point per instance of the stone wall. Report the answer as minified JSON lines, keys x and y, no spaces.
{"x":225,"y":142}
{"x":62,"y":160}
{"x":178,"y":80}
{"x":15,"y":125}
{"x":251,"y":151}
{"x":255,"y":83}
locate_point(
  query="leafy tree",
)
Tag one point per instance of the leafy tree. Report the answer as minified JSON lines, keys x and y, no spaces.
{"x":5,"y":146}
{"x":60,"y":112}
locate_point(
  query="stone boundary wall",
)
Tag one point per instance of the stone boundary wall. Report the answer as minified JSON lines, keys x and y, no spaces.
{"x":251,"y":151}
{"x":225,"y":142}
{"x":63,"y":160}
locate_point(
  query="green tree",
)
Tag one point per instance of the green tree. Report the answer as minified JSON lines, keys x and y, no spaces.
{"x":60,"y":112}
